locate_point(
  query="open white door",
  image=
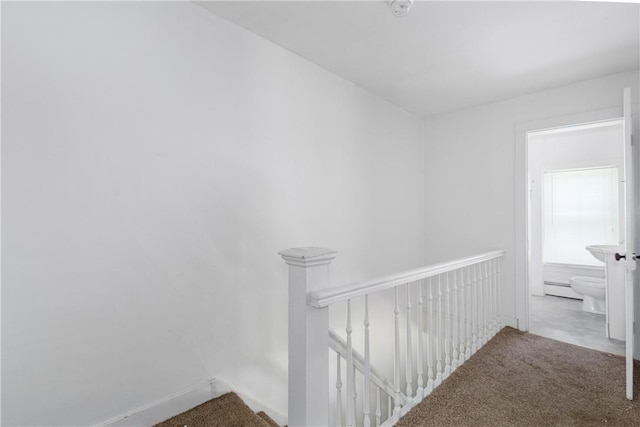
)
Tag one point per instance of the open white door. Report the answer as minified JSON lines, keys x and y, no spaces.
{"x":629,"y":256}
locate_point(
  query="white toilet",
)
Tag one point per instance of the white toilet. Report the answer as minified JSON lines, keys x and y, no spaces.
{"x":593,"y":293}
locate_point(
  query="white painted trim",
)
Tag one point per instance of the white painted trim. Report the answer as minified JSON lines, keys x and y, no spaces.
{"x":172,"y":404}
{"x":595,"y":268}
{"x":561,"y":291}
{"x":508,"y":321}
{"x":521,"y":202}
{"x":257,"y":406}
{"x":327,"y":297}
{"x":308,"y":364}
{"x":177,"y":403}
{"x":308,"y":257}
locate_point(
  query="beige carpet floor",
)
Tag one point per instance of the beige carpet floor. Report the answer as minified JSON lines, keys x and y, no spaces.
{"x":519,"y":379}
{"x":227,"y":410}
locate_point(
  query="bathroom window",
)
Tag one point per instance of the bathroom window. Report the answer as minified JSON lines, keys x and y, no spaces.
{"x":580,"y":209}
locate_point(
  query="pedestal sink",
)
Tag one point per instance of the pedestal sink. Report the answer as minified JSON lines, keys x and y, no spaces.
{"x":600,"y":252}
{"x":614,"y":285}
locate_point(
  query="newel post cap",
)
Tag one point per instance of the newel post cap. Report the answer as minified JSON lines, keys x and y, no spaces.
{"x":308,"y":256}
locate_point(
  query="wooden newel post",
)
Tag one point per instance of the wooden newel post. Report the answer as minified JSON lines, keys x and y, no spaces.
{"x":308,"y":337}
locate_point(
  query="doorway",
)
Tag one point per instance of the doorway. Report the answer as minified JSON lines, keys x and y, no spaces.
{"x":564,"y":152}
{"x":575,"y":200}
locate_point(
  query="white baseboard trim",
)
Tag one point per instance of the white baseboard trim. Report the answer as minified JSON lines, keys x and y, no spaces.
{"x":561,"y":291}
{"x":162,"y":409}
{"x":509,"y":321}
{"x":176,"y":403}
{"x":257,"y":406}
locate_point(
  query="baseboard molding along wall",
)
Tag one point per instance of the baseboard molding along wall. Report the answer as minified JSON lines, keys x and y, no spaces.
{"x":510,"y":321}
{"x":174,"y":404}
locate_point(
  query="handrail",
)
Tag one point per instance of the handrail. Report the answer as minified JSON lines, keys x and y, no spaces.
{"x":327,"y":297}
{"x":337,"y":344}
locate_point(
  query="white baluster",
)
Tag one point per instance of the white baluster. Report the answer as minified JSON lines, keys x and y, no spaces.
{"x":419,"y":363}
{"x":489,"y":300}
{"x":409,"y":366}
{"x":489,"y":320}
{"x":462,"y":313}
{"x":367,"y":366}
{"x":499,"y":291}
{"x":480,"y":306}
{"x":469,"y":311}
{"x":378,"y":411}
{"x":396,"y":359}
{"x":355,"y":397}
{"x":494,"y":324}
{"x":454,"y":323}
{"x":389,"y":408}
{"x":438,"y":336}
{"x":495,"y":296}
{"x":485,"y":303}
{"x":350,"y":377}
{"x":339,"y":413}
{"x":474,"y":307}
{"x":447,"y":327}
{"x":430,"y":375}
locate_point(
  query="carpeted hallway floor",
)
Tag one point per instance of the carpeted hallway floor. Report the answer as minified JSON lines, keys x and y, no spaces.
{"x":519,"y":379}
{"x":516,"y":379}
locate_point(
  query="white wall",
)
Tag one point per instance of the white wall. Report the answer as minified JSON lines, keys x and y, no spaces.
{"x":155,"y":160}
{"x":470,"y":170}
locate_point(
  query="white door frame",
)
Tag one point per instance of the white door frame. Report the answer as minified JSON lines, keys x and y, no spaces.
{"x":629,"y":241}
{"x":521,"y":252}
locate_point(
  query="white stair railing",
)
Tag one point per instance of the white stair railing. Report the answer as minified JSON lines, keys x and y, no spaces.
{"x":449,"y":310}
{"x":370,"y":376}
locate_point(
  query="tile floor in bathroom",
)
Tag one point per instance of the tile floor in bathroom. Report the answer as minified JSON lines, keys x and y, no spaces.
{"x":562,"y":319}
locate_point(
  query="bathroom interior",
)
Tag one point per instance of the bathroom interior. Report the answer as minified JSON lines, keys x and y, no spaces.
{"x":576,"y":225}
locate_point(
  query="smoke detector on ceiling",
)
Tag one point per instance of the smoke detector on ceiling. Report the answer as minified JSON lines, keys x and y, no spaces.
{"x":400,"y":7}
